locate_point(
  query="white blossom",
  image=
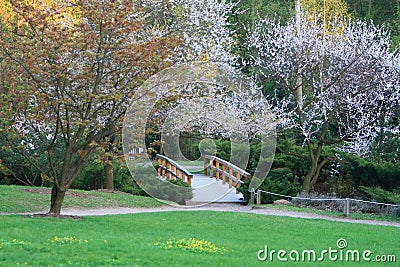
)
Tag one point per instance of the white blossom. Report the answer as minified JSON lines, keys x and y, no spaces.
{"x":349,"y":77}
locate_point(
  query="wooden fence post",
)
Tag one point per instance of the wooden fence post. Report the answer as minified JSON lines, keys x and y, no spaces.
{"x":346,"y":207}
{"x":163,"y":169}
{"x":205,"y":167}
{"x":211,"y":168}
{"x":252,"y":196}
{"x":217,"y":170}
{"x":173,"y":177}
{"x":168,"y":170}
{"x":223,"y":174}
{"x":159,"y":167}
{"x":258,"y":197}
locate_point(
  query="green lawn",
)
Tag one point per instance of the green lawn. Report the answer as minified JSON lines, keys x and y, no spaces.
{"x":15,"y":199}
{"x":143,"y":240}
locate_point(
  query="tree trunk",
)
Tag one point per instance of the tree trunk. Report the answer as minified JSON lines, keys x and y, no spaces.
{"x":109,"y":169}
{"x":310,"y":180}
{"x":313,"y":174}
{"x":57,"y":198}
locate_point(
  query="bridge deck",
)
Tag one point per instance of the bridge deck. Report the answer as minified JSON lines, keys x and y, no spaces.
{"x":206,"y":189}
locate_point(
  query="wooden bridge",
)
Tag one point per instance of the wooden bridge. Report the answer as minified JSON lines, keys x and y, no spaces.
{"x":218,"y":181}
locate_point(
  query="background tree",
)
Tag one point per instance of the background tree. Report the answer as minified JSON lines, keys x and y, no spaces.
{"x":74,"y":80}
{"x":349,"y":79}
{"x":203,"y":28}
{"x":324,"y":10}
{"x":380,"y":12}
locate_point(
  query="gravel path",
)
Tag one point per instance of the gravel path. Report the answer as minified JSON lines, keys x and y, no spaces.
{"x":223,"y":207}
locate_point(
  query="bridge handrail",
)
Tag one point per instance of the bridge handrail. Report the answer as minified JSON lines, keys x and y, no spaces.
{"x":228,"y":169}
{"x":167,"y":168}
{"x":236,"y":168}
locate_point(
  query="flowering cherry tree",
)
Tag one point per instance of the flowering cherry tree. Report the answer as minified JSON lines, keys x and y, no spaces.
{"x":348,"y":78}
{"x":203,"y":26}
{"x":69,"y":81}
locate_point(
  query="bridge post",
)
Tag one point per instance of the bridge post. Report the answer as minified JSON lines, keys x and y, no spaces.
{"x":230,"y":177}
{"x":159,"y":167}
{"x":347,"y":207}
{"x":238,"y":176}
{"x":163,"y":169}
{"x":173,"y":172}
{"x":223,"y":174}
{"x":258,"y":197}
{"x":252,"y":196}
{"x":217,"y":170}
{"x":168,"y":169}
{"x":205,"y":167}
{"x":211,"y":167}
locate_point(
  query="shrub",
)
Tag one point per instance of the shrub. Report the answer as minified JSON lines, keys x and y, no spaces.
{"x":280,"y":181}
{"x":91,"y":177}
{"x":124,"y":182}
{"x":363,"y":172}
{"x":171,"y":190}
{"x":380,"y":195}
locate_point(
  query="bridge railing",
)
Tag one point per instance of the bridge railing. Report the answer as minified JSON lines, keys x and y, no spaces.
{"x":169,"y":169}
{"x":225,"y":171}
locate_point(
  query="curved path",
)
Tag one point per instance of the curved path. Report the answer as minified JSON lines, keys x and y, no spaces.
{"x":223,"y":208}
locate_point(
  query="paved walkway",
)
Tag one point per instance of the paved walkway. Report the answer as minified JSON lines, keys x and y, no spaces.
{"x":223,"y":208}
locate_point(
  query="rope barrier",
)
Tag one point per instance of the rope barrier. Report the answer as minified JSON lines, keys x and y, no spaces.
{"x":303,"y":198}
{"x":331,"y":199}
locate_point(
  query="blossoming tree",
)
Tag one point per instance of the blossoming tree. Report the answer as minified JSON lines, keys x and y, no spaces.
{"x":348,"y":77}
{"x":73,"y":79}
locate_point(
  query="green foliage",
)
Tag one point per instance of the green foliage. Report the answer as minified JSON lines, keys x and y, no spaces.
{"x":364,"y":172}
{"x":280,"y":181}
{"x":160,"y":189}
{"x":170,"y":190}
{"x":386,"y":145}
{"x":17,"y":169}
{"x":124,"y":182}
{"x":91,"y":177}
{"x":381,"y":12}
{"x":207,"y":147}
{"x":378,"y":194}
{"x":341,"y":186}
{"x":297,"y":166}
{"x":249,"y":12}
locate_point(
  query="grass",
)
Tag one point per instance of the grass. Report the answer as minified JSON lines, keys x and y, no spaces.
{"x":362,"y":216}
{"x":210,"y":238}
{"x":14,"y":199}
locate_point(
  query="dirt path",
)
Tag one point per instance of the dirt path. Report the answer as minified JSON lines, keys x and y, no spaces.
{"x":225,"y":208}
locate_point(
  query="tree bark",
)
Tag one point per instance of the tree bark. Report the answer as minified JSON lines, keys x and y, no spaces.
{"x":313,"y":174}
{"x":310,"y":176}
{"x":109,"y":169}
{"x":57,"y":198}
